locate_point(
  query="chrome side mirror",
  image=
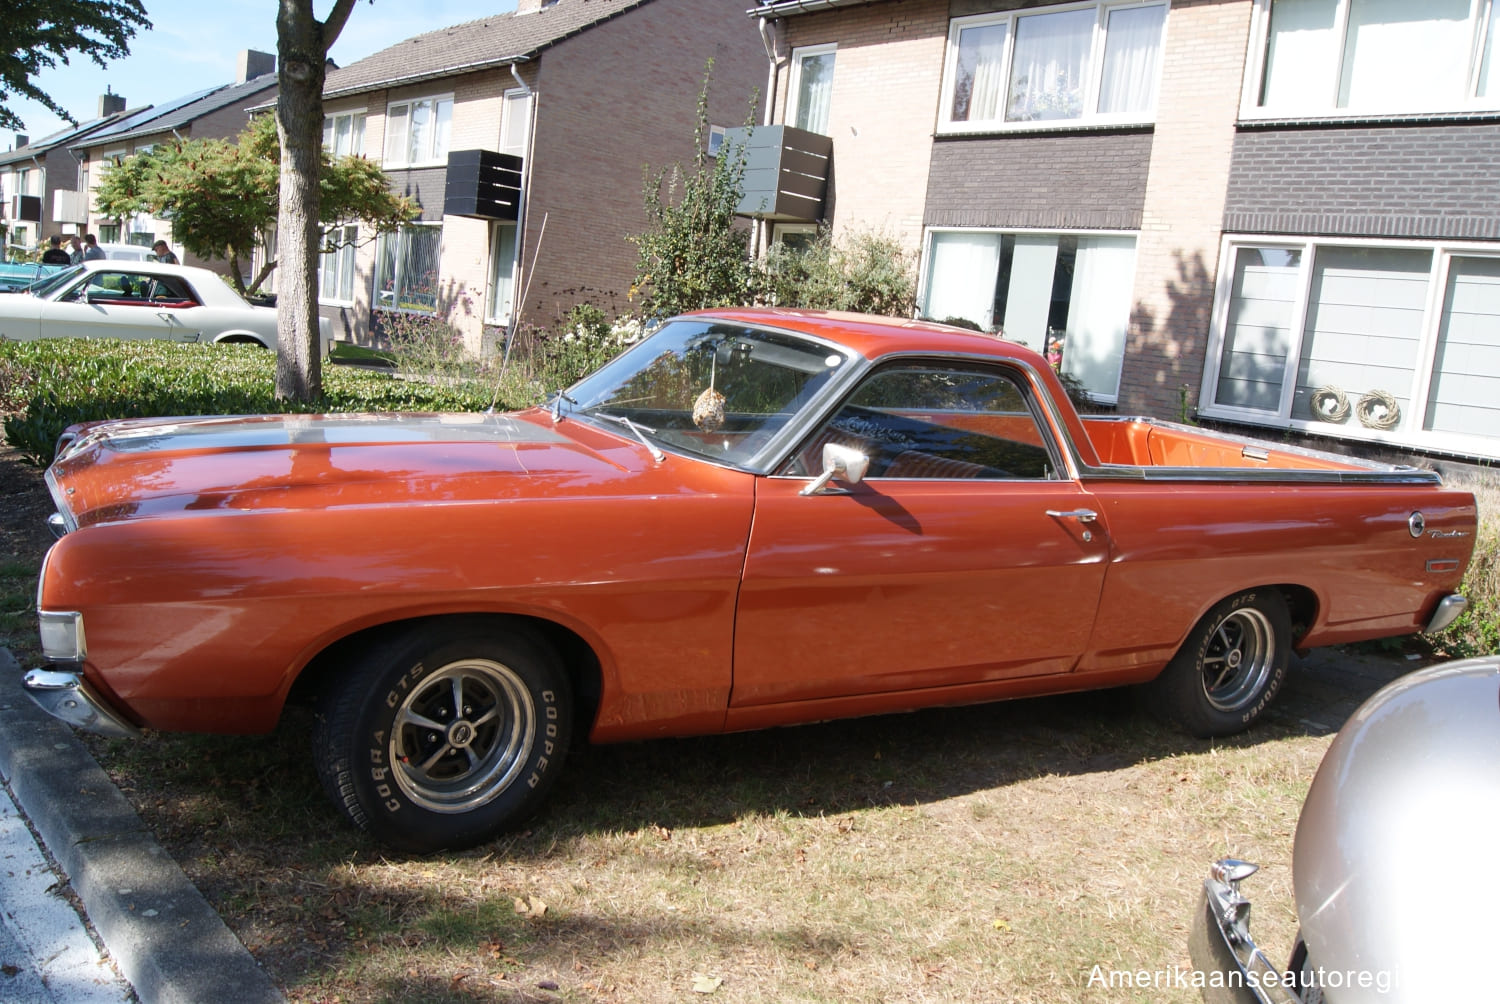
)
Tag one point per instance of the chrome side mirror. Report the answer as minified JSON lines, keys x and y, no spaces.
{"x":843,"y":461}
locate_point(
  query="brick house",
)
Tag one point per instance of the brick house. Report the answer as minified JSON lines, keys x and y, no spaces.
{"x":216,"y":113}
{"x":536,"y":123}
{"x":39,"y":182}
{"x":1277,"y":213}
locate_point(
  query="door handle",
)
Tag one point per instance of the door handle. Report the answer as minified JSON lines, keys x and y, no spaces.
{"x":1082,"y":515}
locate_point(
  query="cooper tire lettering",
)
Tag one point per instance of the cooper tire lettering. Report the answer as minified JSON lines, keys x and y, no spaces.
{"x":458,"y":724}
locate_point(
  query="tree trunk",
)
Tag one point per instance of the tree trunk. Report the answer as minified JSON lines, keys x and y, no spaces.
{"x":302,"y":49}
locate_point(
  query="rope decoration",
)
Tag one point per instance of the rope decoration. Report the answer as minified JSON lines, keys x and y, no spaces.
{"x":1378,"y":410}
{"x":1330,"y":404}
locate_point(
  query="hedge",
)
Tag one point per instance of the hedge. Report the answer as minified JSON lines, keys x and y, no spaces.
{"x":49,"y":384}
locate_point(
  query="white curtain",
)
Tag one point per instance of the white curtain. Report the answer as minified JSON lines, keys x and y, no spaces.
{"x":1048,"y":65}
{"x":1028,"y":299}
{"x":442,"y":129}
{"x":516,"y":124}
{"x":1099,"y":313}
{"x":395,"y":135}
{"x":1132,"y":59}
{"x":1301,"y":55}
{"x":978,"y":82}
{"x":814,"y":91}
{"x":1400,"y":55}
{"x":961,"y":277}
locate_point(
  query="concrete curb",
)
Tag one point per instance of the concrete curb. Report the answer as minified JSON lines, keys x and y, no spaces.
{"x":166,"y":939}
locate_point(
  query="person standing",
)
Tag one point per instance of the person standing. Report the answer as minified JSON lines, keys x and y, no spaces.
{"x":75,"y":249}
{"x":91,"y":249}
{"x":164,"y":254}
{"x":55,"y":255}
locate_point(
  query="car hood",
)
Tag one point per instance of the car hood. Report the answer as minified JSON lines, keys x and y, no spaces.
{"x":154,"y":467}
{"x":1393,"y":843}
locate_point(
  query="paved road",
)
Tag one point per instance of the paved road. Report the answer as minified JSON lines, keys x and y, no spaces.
{"x":46,"y":954}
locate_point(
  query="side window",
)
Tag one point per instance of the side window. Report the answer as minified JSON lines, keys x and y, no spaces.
{"x":113,"y":286}
{"x":936,"y":421}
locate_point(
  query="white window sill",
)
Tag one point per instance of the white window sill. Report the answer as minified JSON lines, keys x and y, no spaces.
{"x":414,"y":167}
{"x":1055,"y":125}
{"x":1468,"y":446}
{"x":1285,"y":116}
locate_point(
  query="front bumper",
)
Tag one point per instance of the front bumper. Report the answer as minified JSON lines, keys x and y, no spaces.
{"x":1234,"y":969}
{"x":66,"y":695}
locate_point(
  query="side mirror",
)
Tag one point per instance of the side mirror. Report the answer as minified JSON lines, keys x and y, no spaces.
{"x":843,"y":461}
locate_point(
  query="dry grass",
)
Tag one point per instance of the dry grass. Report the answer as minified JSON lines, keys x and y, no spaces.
{"x":994,"y":853}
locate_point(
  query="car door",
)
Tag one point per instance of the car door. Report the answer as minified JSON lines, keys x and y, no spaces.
{"x":113,"y":303}
{"x":962,"y":558}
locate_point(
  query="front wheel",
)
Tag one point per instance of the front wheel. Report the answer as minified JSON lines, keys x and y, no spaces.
{"x":1230,"y":667}
{"x":444,"y":737}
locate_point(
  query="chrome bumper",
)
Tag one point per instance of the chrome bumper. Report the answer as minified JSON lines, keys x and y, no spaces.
{"x":68,"y":696}
{"x":1449,"y":609}
{"x":1234,"y":969}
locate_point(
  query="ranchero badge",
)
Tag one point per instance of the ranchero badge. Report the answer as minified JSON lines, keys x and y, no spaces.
{"x":1416,"y":523}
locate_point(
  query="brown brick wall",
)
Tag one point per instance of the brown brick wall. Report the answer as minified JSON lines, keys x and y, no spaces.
{"x":1091,"y":180}
{"x":612,"y":101}
{"x":1182,"y":216}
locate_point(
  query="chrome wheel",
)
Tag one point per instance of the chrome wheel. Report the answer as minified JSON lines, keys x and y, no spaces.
{"x":1239,"y":658}
{"x":462,"y":735}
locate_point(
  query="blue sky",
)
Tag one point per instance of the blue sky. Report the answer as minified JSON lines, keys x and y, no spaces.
{"x":195,"y":45}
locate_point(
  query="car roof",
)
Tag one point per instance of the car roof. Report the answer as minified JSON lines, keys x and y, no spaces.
{"x":873,"y":336}
{"x":147,"y":266}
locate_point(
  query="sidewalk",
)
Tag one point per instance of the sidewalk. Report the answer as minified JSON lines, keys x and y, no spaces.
{"x":166,"y":940}
{"x":46,"y":955}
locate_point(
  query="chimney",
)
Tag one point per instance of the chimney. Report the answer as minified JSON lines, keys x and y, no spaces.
{"x":22,"y":139}
{"x":110,"y":104}
{"x":254,"y":64}
{"x":532,"y":6}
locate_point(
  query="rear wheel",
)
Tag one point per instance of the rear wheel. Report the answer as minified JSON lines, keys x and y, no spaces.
{"x":1230,"y":667}
{"x":443,"y":738}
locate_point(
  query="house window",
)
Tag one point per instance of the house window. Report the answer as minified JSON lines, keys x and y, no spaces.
{"x":406,"y":268}
{"x":515,"y":124}
{"x":109,"y":233}
{"x":416,"y":132}
{"x":1066,"y":295}
{"x":1346,"y":57}
{"x":502,"y":274}
{"x":1394,"y":341}
{"x":1097,"y":62}
{"x":795,"y":236}
{"x":336,"y":266}
{"x":811,"y":87}
{"x":344,"y":134}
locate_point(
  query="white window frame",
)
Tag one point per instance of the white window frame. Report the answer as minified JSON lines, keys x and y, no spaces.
{"x":923,"y":277}
{"x":1409,"y":433}
{"x":515,"y":98}
{"x":1091,"y":116}
{"x":1481,"y":13}
{"x":794,"y":76}
{"x":499,"y":311}
{"x":431,"y":157}
{"x":345,"y":258}
{"x":356,"y":116}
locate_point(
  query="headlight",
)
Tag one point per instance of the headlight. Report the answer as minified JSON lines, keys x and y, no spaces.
{"x":62,"y":635}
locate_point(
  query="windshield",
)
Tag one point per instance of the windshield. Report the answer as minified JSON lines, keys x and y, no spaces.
{"x":710,"y":388}
{"x":49,"y":284}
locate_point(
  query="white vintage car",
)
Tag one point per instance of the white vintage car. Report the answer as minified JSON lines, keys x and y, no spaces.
{"x":139,"y":299}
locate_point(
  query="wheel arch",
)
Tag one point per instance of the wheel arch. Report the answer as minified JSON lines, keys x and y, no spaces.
{"x":240,"y":338}
{"x":578,"y":658}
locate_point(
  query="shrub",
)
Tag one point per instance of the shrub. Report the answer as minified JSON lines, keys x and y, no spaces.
{"x":695,"y":251}
{"x":866,"y":272}
{"x":1477,"y":632}
{"x":90,"y":380}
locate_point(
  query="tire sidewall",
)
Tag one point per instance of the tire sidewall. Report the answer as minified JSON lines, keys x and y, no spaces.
{"x":389,"y":812}
{"x":1181,"y":690}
